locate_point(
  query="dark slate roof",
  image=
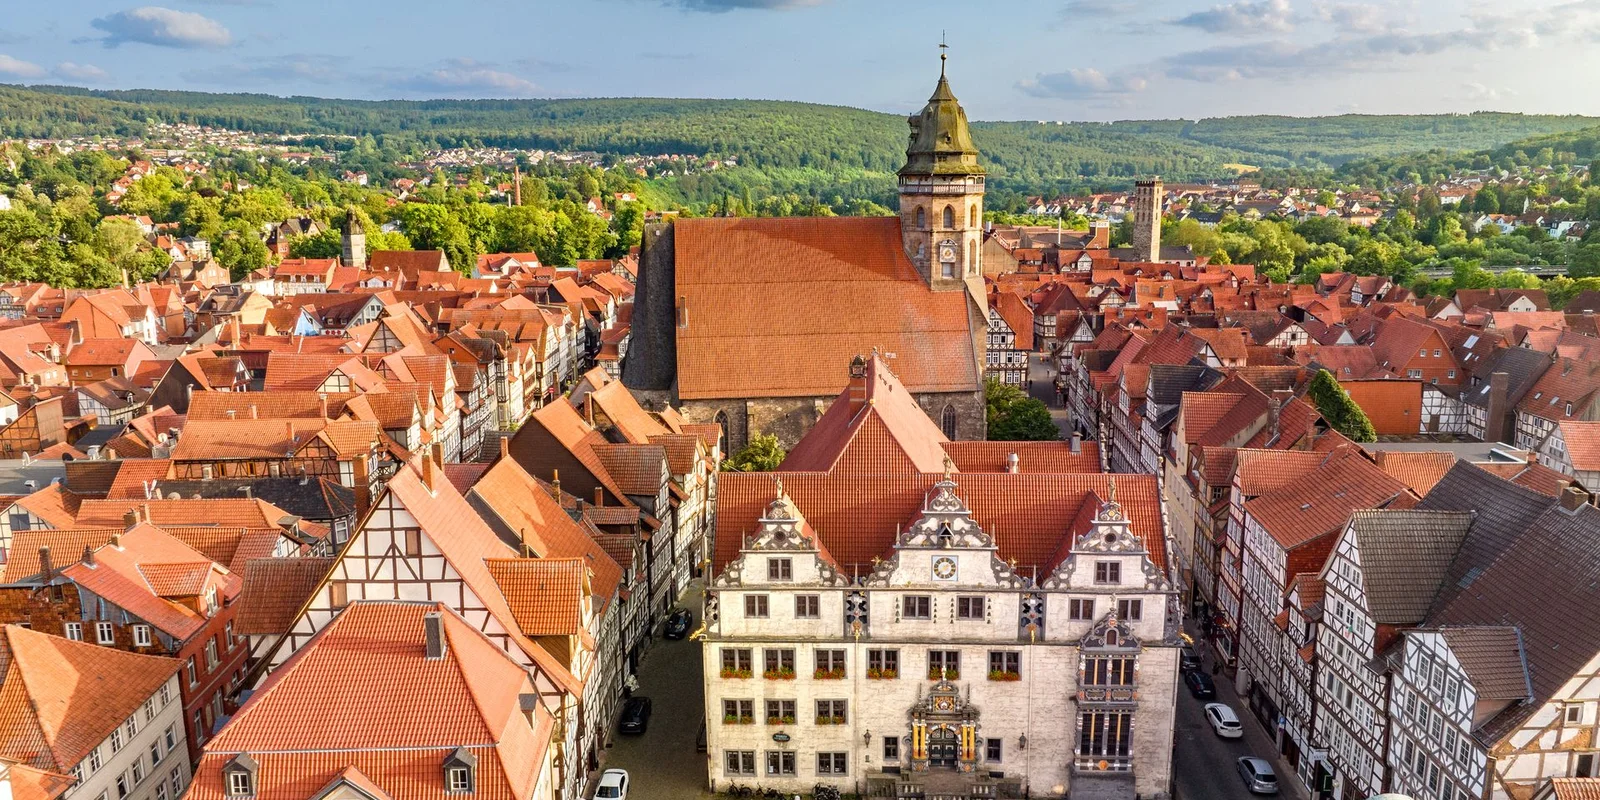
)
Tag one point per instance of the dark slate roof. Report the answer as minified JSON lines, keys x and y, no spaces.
{"x":1167,"y":384}
{"x":1503,"y":508}
{"x":1542,"y":583}
{"x":1404,"y":557}
{"x":1521,"y":365}
{"x":1494,"y":660}
{"x":318,"y":499}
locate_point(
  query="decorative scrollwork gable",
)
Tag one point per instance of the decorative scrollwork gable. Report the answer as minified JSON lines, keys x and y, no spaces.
{"x":1110,"y":634}
{"x":946,"y":522}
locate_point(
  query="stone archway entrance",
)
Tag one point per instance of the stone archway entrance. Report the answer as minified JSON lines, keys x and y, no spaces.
{"x":944,"y":730}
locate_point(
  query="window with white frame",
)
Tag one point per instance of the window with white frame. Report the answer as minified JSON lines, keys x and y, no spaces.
{"x":104,"y":633}
{"x":141,"y":636}
{"x":74,"y":631}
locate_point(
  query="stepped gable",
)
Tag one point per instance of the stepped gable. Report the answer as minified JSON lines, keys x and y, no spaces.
{"x":770,"y":307}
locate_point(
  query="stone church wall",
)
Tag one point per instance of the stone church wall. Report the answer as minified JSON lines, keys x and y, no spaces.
{"x":790,"y":418}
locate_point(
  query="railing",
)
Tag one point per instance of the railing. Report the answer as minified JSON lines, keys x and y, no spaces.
{"x":1107,"y":694}
{"x":1103,"y":764}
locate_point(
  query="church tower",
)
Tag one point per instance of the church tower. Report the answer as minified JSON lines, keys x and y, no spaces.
{"x":354,"y":238}
{"x":941,"y":196}
{"x":1147,"y":206}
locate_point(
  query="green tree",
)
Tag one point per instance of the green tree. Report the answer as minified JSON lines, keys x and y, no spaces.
{"x":762,"y":454}
{"x":1014,"y":416}
{"x":1341,"y":412}
{"x":327,"y":244}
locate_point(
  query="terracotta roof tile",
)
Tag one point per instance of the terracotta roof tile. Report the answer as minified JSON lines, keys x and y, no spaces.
{"x":849,"y":288}
{"x":274,"y":591}
{"x":1419,"y":471}
{"x":1321,"y":502}
{"x":545,"y":594}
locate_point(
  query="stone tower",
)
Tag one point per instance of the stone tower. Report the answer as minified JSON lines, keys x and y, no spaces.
{"x":941,"y":196}
{"x":354,"y":238}
{"x":1147,"y":202}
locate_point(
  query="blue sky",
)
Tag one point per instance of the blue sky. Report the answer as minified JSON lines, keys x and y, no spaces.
{"x":1010,"y":59}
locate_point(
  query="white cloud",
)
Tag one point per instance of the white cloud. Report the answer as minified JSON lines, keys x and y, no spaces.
{"x":80,"y":72}
{"x":163,"y":27}
{"x":17,"y":68}
{"x":292,"y":68}
{"x":464,"y":77}
{"x":1479,"y":93}
{"x":1083,"y":83}
{"x":1243,"y":18}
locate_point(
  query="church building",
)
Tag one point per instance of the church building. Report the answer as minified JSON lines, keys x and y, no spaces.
{"x":895,"y":614}
{"x":748,"y":322}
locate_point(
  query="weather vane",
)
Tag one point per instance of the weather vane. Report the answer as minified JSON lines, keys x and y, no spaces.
{"x":942,"y":55}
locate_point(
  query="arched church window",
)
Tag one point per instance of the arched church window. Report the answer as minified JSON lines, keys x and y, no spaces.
{"x":949,"y":216}
{"x":922,"y":218}
{"x":972,"y":216}
{"x":947,"y":421}
{"x":722,"y":440}
{"x":972,"y":260}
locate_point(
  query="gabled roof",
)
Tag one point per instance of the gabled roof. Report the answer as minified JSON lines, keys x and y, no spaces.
{"x":1503,"y":510}
{"x":147,"y":571}
{"x":1404,"y":556}
{"x":847,"y":287}
{"x":545,"y":594}
{"x":1493,"y":658}
{"x":873,"y":424}
{"x":1322,"y":502}
{"x":59,"y":699}
{"x":1582,"y":440}
{"x":274,"y":590}
{"x":1419,"y":471}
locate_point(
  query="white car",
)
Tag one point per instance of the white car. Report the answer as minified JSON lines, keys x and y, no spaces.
{"x":613,"y":785}
{"x":1223,"y":721}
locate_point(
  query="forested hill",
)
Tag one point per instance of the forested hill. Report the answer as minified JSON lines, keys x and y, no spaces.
{"x":791,"y":142}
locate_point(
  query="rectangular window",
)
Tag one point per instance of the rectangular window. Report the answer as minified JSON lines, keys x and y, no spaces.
{"x":1004,"y":665}
{"x":138,"y":770}
{"x":175,"y":780}
{"x":807,"y":606}
{"x":992,"y":750}
{"x":738,"y":712}
{"x":1108,"y":672}
{"x":916,"y":606}
{"x":211,"y":655}
{"x":830,"y":664}
{"x":1080,"y":609}
{"x":166,"y":694}
{"x":1130,"y":609}
{"x":780,"y":569}
{"x":149,"y":709}
{"x":338,"y":595}
{"x":739,"y":762}
{"x":104,"y":633}
{"x":141,"y":636}
{"x":1108,"y":572}
{"x":133,"y":727}
{"x":74,"y":631}
{"x":194,"y":676}
{"x":116,"y":739}
{"x":239,"y":784}
{"x":736,"y":662}
{"x":778,"y":662}
{"x":199,"y":727}
{"x":227,"y":635}
{"x":969,"y":608}
{"x":122,"y":786}
{"x":831,"y":712}
{"x":883,"y":663}
{"x":161,"y":791}
{"x":832,"y":764}
{"x":1574,"y":714}
{"x":780,"y":712}
{"x":171,"y":737}
{"x":155,"y":752}
{"x":94,"y":760}
{"x":459,"y":780}
{"x":944,"y":664}
{"x":1105,"y":733}
{"x":755,"y":606}
{"x":780,"y":762}
{"x":413,"y":543}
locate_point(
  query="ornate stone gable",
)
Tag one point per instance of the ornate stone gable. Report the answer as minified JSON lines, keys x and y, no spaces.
{"x":952,"y":542}
{"x":782,"y":529}
{"x":1109,"y":534}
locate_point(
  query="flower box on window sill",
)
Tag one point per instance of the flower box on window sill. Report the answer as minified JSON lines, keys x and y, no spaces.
{"x":1001,"y":675}
{"x":730,"y":719}
{"x":947,"y":674}
{"x":883,"y":674}
{"x":741,"y":674}
{"x":829,"y":674}
{"x":778,"y":674}
{"x":830,"y":720}
{"x":780,"y":720}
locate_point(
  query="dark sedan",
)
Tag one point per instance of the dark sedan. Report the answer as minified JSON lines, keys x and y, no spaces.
{"x":1200,"y":685}
{"x":635,"y":715}
{"x":678,"y":623}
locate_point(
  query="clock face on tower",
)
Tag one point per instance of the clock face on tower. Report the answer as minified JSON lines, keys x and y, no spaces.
{"x":947,"y":252}
{"x":945,"y":568}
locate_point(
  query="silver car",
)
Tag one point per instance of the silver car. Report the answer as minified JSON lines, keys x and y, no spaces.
{"x":1258,"y":775}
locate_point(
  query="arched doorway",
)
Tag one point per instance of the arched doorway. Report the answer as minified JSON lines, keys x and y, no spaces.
{"x":943,"y":747}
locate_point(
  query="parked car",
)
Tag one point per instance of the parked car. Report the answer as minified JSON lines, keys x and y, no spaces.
{"x":613,"y":785}
{"x":678,"y":623}
{"x":1200,"y":685}
{"x":635,"y":715}
{"x":1188,"y":659}
{"x":1224,"y":721}
{"x":1258,"y":775}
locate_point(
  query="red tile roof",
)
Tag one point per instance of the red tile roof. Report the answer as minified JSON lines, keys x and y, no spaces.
{"x":846,"y":288}
{"x":1419,"y":471}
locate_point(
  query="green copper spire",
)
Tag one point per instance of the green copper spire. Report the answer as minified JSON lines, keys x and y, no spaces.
{"x":940,"y":142}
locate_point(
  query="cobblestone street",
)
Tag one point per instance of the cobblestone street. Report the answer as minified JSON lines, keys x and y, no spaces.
{"x":663,"y":763}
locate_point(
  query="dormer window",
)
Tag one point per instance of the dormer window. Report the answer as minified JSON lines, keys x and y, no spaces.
{"x":459,"y":772}
{"x":239,"y":776}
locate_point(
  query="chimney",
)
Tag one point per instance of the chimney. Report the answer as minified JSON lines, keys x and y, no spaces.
{"x":438,"y":454}
{"x":363,"y":484}
{"x":599,"y":496}
{"x":322,"y":397}
{"x":253,"y":413}
{"x":858,"y":385}
{"x":1077,"y":443}
{"x":555,"y":484}
{"x":131,"y":518}
{"x":1497,"y":413}
{"x":88,"y":556}
{"x":505,"y":446}
{"x":1275,"y":404}
{"x":1013,"y":463}
{"x":428,"y":473}
{"x":116,"y":540}
{"x":433,"y":635}
{"x":288,"y":428}
{"x":46,"y":570}
{"x":516,"y":185}
{"x":232,"y":413}
{"x":1573,"y":498}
